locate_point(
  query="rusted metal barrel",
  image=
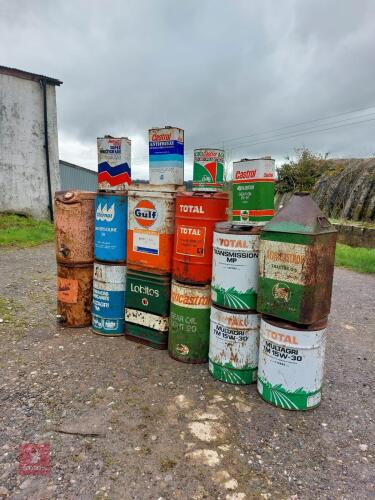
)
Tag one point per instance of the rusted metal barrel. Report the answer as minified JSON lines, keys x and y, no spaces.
{"x":74,"y":294}
{"x":196,"y":216}
{"x":291,"y":362}
{"x":208,"y":170}
{"x":234,"y":341}
{"x":74,"y":225}
{"x":296,"y":262}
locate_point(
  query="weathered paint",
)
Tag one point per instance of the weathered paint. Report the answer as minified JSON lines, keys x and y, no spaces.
{"x":208,"y":170}
{"x":108,"y":301}
{"x":74,"y":227}
{"x":253,"y":190}
{"x":111,"y":221}
{"x":234,"y":342}
{"x":148,"y":320}
{"x":291,"y":362}
{"x":114,"y":157}
{"x":148,"y":292}
{"x":296,"y":262}
{"x":196,"y":216}
{"x":151,"y":224}
{"x":166,"y":155}
{"x":189,"y":329}
{"x":74,"y":294}
{"x":147,"y":336}
{"x":235,"y":266}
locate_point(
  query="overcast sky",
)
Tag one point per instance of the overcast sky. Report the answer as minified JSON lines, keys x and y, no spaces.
{"x":220,"y":69}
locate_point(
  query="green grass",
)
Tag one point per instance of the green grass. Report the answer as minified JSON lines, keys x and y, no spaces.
{"x":19,"y":231}
{"x":361,"y":260}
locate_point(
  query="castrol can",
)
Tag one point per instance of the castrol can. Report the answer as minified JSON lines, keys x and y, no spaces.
{"x":189,"y":329}
{"x":234,"y":342}
{"x":253,"y":191}
{"x":196,"y":216}
{"x":166,"y":155}
{"x":208,"y":170}
{"x":235,"y":267}
{"x":114,"y":154}
{"x":291,"y":362}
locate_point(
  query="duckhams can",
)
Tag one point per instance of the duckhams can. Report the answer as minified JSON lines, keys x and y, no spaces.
{"x":208,"y":170}
{"x":196,"y":216}
{"x":111,"y":220}
{"x":114,"y":155}
{"x":108,"y":302}
{"x":235,"y":266}
{"x":189,"y":329}
{"x":166,"y":155}
{"x":74,"y":224}
{"x":291,"y":362}
{"x":234,"y":343}
{"x":253,"y":191}
{"x":74,"y":294}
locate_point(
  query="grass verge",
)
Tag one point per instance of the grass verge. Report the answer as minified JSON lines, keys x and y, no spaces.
{"x":361,"y":260}
{"x":19,"y":231}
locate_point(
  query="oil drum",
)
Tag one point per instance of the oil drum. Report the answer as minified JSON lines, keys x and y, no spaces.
{"x":208,"y":170}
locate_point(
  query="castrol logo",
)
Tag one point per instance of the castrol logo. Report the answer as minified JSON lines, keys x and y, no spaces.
{"x":161,"y":137}
{"x":145,"y":213}
{"x":247,"y":174}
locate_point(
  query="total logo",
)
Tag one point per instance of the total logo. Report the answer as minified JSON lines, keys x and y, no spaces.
{"x":145,"y":213}
{"x":104,"y":213}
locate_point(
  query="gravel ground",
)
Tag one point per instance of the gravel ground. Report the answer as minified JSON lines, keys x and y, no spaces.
{"x":148,"y":427}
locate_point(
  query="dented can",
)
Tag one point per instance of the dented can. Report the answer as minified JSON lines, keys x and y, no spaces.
{"x":234,"y":344}
{"x":114,"y":157}
{"x":151,"y":225}
{"x":253,"y":191}
{"x":189,"y":329}
{"x":108,"y":302}
{"x":74,"y":227}
{"x":74,"y":294}
{"x":235,"y":266}
{"x":291,"y":363}
{"x":166,"y":155}
{"x":208,"y":170}
{"x":111,"y":221}
{"x":196,"y":216}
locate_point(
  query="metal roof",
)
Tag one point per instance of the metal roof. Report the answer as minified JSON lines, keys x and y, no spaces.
{"x":4,"y":70}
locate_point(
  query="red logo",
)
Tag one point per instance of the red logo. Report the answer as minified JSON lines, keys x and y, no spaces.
{"x":34,"y":459}
{"x":145,"y":301}
{"x":145,"y":213}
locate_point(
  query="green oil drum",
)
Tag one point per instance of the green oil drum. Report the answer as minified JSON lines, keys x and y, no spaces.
{"x":189,"y":330}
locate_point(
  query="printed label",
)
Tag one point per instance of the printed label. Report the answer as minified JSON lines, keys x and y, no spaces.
{"x":67,"y":290}
{"x":103,"y":213}
{"x":191,"y":241}
{"x":285,"y":262}
{"x":146,"y":242}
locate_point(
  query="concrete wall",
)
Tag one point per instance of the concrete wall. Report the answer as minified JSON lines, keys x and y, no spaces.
{"x":23,"y":170}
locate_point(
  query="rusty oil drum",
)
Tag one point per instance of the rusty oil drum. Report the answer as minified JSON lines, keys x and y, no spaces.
{"x":74,"y":294}
{"x":74,"y":225}
{"x":196,"y":216}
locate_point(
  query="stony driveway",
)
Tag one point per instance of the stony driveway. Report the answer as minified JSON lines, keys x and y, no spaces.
{"x":124,"y":421}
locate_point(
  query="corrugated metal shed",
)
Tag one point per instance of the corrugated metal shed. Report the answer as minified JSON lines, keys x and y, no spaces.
{"x":75,"y":177}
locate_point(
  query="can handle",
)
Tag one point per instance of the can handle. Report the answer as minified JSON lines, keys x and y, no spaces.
{"x":60,"y":318}
{"x":323,"y":221}
{"x":64,"y":251}
{"x":68,"y":198}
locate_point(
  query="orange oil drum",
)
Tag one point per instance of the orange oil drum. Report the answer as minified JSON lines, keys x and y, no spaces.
{"x":151,"y":224}
{"x":74,"y":224}
{"x":196,"y":216}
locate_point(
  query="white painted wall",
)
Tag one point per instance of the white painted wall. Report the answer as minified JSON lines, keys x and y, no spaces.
{"x":23,"y":169}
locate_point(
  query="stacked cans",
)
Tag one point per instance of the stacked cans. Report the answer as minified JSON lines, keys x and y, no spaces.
{"x":111,"y":210}
{"x":297,"y":252}
{"x":74,"y":229}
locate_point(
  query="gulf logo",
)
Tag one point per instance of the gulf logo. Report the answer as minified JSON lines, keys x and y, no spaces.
{"x":145,"y":213}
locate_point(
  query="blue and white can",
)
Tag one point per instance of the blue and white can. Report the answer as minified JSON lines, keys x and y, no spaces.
{"x":111,"y":221}
{"x":108,"y":302}
{"x":166,"y":154}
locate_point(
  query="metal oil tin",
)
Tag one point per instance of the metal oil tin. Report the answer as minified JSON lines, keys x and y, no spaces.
{"x":114,"y":156}
{"x":208,"y":170}
{"x":166,"y":155}
{"x":148,"y":292}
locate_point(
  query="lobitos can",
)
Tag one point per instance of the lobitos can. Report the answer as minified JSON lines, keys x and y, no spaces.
{"x":74,"y":294}
{"x":234,"y":343}
{"x":114,"y":156}
{"x":74,"y":227}
{"x":166,"y":155}
{"x":196,"y":216}
{"x":253,"y":190}
{"x":235,"y":266}
{"x":108,"y":303}
{"x":189,"y":330}
{"x":111,"y":220}
{"x":208,"y":170}
{"x":291,"y":363}
{"x":147,"y":312}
